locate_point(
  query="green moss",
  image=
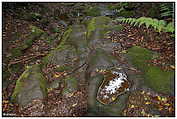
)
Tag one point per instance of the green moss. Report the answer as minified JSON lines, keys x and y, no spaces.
{"x":159,"y":80}
{"x":139,"y":56}
{"x":32,"y":16}
{"x":16,"y":52}
{"x":5,"y":74}
{"x":97,"y":23}
{"x":153,"y":12}
{"x":93,"y":11}
{"x":118,"y":28}
{"x":115,"y":6}
{"x":31,"y":72}
{"x":155,"y":77}
{"x":15,"y":68}
{"x":71,"y":83}
{"x":35,"y":31}
{"x":55,"y":30}
{"x":63,"y":68}
{"x":65,"y":36}
{"x":19,"y":85}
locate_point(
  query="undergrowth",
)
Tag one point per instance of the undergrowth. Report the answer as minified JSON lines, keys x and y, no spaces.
{"x":159,"y":25}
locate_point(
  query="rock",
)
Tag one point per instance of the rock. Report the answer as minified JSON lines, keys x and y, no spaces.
{"x":154,"y":77}
{"x":99,"y":59}
{"x":31,"y":85}
{"x":70,"y":51}
{"x":113,"y":85}
{"x":95,"y":108}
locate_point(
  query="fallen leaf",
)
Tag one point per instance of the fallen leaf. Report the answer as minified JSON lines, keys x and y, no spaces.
{"x":74,"y":105}
{"x":172,"y":66}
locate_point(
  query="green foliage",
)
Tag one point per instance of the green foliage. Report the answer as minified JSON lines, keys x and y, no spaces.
{"x":35,"y":16}
{"x":166,"y":9}
{"x":159,"y":25}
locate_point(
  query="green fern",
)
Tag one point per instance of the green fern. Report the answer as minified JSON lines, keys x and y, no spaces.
{"x":159,"y":25}
{"x":167,"y":9}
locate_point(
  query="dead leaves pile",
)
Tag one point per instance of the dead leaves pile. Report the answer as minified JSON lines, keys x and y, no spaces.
{"x":146,"y":104}
{"x":147,"y":38}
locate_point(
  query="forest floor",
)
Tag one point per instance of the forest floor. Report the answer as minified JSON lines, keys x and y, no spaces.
{"x":16,"y":24}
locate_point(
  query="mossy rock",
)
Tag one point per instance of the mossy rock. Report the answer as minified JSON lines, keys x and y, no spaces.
{"x":98,"y":109}
{"x":139,"y":56}
{"x":71,"y":85}
{"x":155,"y":78}
{"x":33,"y":35}
{"x":70,"y":47}
{"x":159,"y":80}
{"x":98,"y":24}
{"x":31,"y":85}
{"x":93,"y":11}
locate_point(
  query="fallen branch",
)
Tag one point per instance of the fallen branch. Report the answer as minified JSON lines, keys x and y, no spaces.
{"x":23,"y":60}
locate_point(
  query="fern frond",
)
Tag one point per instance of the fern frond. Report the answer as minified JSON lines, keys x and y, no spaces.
{"x":159,"y":25}
{"x":167,"y":9}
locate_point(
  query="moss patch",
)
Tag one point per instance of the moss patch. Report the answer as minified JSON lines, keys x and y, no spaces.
{"x":64,"y":39}
{"x":93,"y":11}
{"x":16,"y":52}
{"x":117,"y":28}
{"x":155,"y":78}
{"x":31,"y":73}
{"x":158,"y":79}
{"x":98,"y":23}
{"x":15,"y":68}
